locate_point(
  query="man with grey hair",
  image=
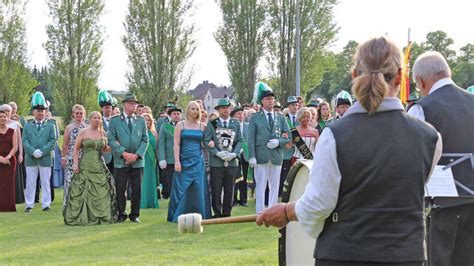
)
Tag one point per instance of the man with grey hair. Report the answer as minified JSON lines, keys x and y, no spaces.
{"x":449,"y":109}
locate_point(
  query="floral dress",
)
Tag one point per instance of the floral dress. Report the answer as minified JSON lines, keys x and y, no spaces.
{"x":68,"y":172}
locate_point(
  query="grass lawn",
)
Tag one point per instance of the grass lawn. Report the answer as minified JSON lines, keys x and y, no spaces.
{"x":41,"y":237}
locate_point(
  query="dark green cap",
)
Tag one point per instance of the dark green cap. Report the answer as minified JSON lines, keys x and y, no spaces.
{"x":130,"y":97}
{"x":222,"y":102}
{"x":290,"y":100}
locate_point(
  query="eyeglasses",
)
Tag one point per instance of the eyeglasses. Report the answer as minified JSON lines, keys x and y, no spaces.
{"x":79,"y":113}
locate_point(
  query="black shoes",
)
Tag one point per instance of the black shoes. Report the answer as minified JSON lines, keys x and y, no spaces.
{"x":135,"y":220}
{"x":47,"y":209}
{"x":121,"y":219}
{"x":28,"y":209}
{"x":244,"y":204}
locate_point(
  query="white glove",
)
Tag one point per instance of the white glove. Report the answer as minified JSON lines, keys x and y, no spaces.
{"x":162,"y":164}
{"x":253,"y":162}
{"x":37,"y":154}
{"x":222,"y":154}
{"x":273,"y":143}
{"x":230,"y":156}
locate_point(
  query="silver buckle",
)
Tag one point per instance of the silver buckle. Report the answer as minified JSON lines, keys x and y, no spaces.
{"x":334,"y":217}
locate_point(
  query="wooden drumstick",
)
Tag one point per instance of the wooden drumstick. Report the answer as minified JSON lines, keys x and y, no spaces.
{"x":192,"y":222}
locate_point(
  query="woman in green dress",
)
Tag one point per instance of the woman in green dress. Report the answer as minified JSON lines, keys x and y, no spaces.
{"x":91,"y":197}
{"x":149,"y":197}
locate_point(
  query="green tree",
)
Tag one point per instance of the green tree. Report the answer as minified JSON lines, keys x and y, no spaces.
{"x":466,"y":54}
{"x":16,"y":83}
{"x":74,"y":49}
{"x":440,"y":42}
{"x":241,"y":38}
{"x":159,"y":44}
{"x":317,"y":30}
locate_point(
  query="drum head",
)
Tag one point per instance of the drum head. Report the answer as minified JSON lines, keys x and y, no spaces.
{"x":295,"y":245}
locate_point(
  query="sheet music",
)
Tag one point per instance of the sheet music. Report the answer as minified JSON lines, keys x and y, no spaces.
{"x":441,"y":183}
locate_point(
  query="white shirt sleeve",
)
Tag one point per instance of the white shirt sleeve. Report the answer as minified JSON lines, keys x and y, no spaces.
{"x":416,"y":111}
{"x":321,"y":193}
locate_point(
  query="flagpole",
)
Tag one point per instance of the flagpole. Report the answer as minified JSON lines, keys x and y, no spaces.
{"x":298,"y":41}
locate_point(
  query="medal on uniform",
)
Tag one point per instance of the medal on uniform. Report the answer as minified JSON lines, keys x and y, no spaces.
{"x":225,"y":142}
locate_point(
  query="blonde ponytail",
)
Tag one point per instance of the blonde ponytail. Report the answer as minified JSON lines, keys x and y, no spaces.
{"x":377,"y":62}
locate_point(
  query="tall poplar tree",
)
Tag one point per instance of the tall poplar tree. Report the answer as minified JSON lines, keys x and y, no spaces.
{"x":159,"y":43}
{"x":241,"y":37}
{"x":318,"y":31}
{"x":74,"y":49}
{"x":16,"y":82}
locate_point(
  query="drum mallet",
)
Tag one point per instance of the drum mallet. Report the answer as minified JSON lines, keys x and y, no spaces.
{"x":193,"y":222}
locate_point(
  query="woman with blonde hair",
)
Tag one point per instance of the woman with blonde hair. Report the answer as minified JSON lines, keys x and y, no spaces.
{"x":70,"y":134}
{"x":365,"y":203}
{"x":91,"y":192}
{"x":307,"y":133}
{"x":149,"y":195}
{"x":314,"y":117}
{"x":189,"y":191}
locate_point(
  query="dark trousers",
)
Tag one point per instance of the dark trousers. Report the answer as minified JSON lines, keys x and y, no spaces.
{"x":167,"y":180}
{"x":123,"y":176}
{"x":223,"y":178}
{"x":110,"y":166}
{"x":285,"y":168}
{"x":241,"y":187}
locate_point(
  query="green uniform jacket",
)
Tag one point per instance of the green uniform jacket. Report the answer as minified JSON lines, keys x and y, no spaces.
{"x":245,"y":146}
{"x":160,"y":122}
{"x":288,"y":153}
{"x":210,"y":134}
{"x":166,"y":144}
{"x":259,"y":135}
{"x":120,"y":139}
{"x":107,"y":155}
{"x":43,"y":139}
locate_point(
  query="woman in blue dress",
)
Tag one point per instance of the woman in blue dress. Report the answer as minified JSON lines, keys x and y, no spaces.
{"x":189,"y":192}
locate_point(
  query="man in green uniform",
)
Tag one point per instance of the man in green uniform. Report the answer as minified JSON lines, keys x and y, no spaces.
{"x":223,"y":157}
{"x":128,"y":138}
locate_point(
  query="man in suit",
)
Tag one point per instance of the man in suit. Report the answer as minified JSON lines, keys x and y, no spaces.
{"x":128,"y":138}
{"x":268,"y":134}
{"x":241,"y":183}
{"x":292,"y":103}
{"x":165,"y":119}
{"x":225,"y":133}
{"x":105,"y":102}
{"x":39,"y":138}
{"x":166,"y":150}
{"x":450,"y":110}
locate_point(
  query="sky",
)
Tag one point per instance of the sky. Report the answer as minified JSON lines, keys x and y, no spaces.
{"x":357,"y":20}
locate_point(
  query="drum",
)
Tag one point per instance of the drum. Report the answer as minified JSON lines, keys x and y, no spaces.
{"x":295,"y":246}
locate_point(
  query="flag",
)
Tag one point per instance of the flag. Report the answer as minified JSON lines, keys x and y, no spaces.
{"x":405,"y":82}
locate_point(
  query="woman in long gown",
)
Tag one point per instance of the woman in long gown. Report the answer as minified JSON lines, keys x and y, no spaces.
{"x":149,"y":194}
{"x":14,"y":124}
{"x":8,"y":147}
{"x":70,"y":134}
{"x":189,"y":192}
{"x":91,"y":197}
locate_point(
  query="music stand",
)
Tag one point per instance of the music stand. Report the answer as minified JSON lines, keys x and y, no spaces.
{"x":450,"y":223}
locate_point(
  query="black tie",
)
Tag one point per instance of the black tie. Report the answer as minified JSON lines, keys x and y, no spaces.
{"x":38,"y":126}
{"x":270,"y":119}
{"x":225,"y":124}
{"x":293,"y":120}
{"x":129,"y":124}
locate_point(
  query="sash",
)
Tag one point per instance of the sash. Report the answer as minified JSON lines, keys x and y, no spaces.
{"x":299,"y":142}
{"x":169,"y":128}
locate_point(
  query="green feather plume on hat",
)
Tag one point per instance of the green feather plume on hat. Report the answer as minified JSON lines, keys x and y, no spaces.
{"x":260,"y":89}
{"x":470,"y":89}
{"x":38,"y":101}
{"x":104,"y":98}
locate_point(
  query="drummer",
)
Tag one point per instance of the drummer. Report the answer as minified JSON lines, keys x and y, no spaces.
{"x":368,"y":208}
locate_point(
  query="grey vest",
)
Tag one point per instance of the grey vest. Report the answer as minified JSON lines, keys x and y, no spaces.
{"x":450,"y":110}
{"x":384,"y":162}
